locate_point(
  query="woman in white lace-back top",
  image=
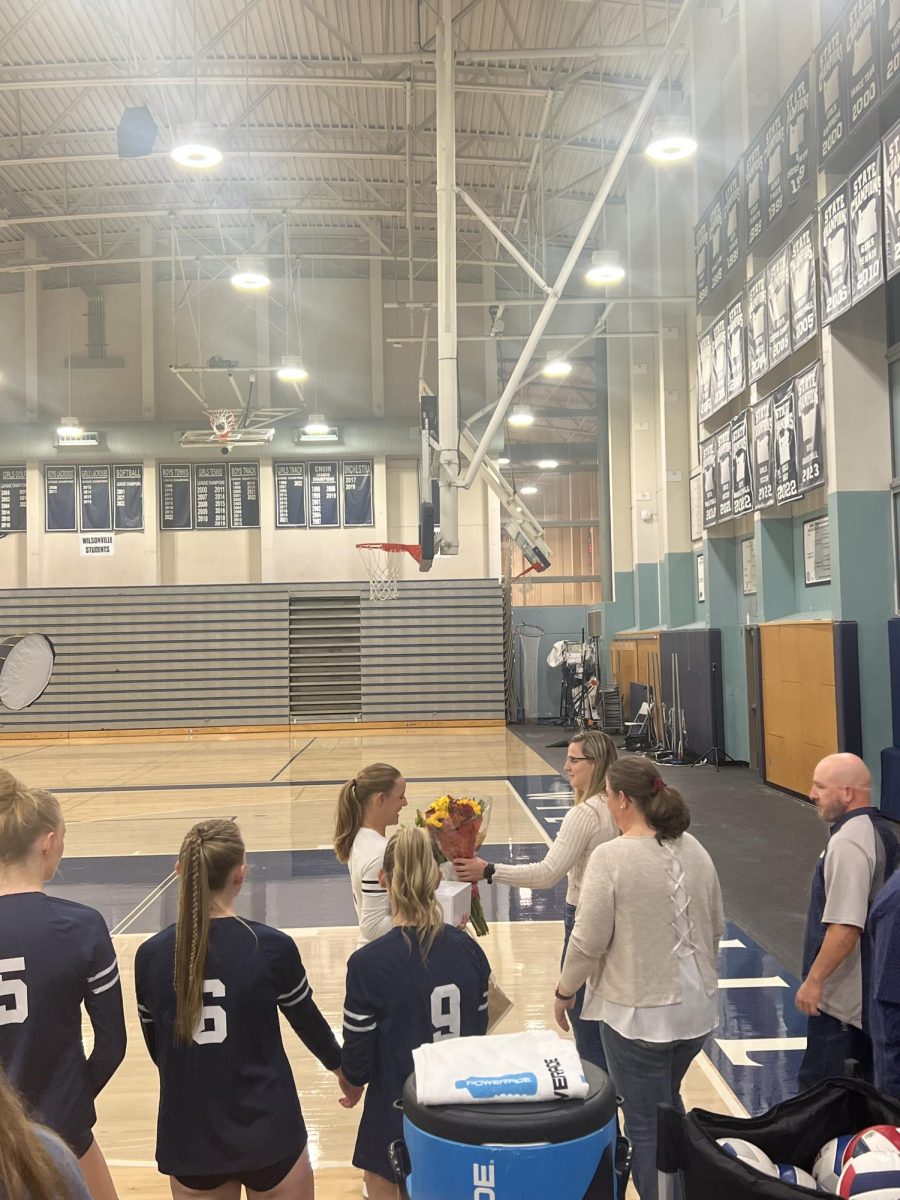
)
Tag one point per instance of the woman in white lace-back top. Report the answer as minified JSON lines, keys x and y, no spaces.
{"x":646,"y":938}
{"x":585,"y":827}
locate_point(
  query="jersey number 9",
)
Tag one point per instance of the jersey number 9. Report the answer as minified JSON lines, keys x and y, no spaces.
{"x":445,"y":1012}
{"x":17,"y":1012}
{"x":213,"y":1024}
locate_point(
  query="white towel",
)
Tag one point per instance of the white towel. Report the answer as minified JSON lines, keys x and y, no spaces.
{"x":510,"y":1067}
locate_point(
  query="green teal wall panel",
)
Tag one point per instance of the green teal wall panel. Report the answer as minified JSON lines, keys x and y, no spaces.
{"x":647,"y":597}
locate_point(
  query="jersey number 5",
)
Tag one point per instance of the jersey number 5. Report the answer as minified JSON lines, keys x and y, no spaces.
{"x":445,"y":1012}
{"x":213,"y":1024}
{"x":17,"y":1012}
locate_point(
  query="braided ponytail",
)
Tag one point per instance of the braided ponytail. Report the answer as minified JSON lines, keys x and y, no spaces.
{"x":209,"y":853}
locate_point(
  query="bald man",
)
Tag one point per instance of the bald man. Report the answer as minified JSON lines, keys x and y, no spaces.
{"x":860,"y":856}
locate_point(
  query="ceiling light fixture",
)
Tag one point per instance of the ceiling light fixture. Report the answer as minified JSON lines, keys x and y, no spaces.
{"x":605,"y":268}
{"x":317,"y":426}
{"x":521,"y":416}
{"x":250,"y":275}
{"x":69,"y":427}
{"x":556,"y":366}
{"x":528,"y":490}
{"x":671,"y":139}
{"x":195,"y":147}
{"x":547,"y":464}
{"x":502,"y":461}
{"x":292,"y":370}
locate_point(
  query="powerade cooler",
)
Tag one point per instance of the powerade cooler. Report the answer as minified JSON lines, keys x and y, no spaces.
{"x":565,"y":1149}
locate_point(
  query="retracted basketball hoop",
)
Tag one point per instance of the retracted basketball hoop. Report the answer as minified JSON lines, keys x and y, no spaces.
{"x":382,"y":561}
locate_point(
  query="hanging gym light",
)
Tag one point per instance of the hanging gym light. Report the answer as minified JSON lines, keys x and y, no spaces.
{"x":195,"y":147}
{"x":292,"y":370}
{"x":605,"y":268}
{"x":557,"y":365}
{"x":250,"y":275}
{"x":671,"y":139}
{"x":521,"y":416}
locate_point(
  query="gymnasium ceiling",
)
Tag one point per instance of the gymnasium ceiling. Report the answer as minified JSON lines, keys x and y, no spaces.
{"x":313,"y":125}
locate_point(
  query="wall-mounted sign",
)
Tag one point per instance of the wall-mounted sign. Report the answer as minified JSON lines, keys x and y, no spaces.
{"x":290,"y":495}
{"x":810,"y":418}
{"x":356,"y":480}
{"x":741,"y":466}
{"x":210,"y":496}
{"x":866,"y":223}
{"x":324,"y":506}
{"x":128,"y":488}
{"x":784,"y":415}
{"x":832,"y":91}
{"x":804,"y":305}
{"x":13,"y":510}
{"x":736,"y":368}
{"x":96,"y":499}
{"x":757,"y":328}
{"x":60,"y":511}
{"x":817,"y":551}
{"x":243,"y":483}
{"x":798,"y":116}
{"x":834,"y":254}
{"x":174,"y":496}
{"x":763,"y":453}
{"x":778,"y":307}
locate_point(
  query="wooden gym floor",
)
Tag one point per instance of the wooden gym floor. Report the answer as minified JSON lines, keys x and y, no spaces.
{"x":127,"y":807}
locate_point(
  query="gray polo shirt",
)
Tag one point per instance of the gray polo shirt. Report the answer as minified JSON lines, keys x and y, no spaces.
{"x":851,"y":863}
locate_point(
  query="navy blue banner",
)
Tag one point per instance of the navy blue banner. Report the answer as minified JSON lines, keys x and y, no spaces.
{"x":290,"y":495}
{"x":210,"y":496}
{"x":243,"y":479}
{"x":175,"y":497}
{"x":96,"y":499}
{"x":12,"y":500}
{"x":357,"y":484}
{"x":128,"y":483}
{"x":59,"y":500}
{"x":324,"y":507}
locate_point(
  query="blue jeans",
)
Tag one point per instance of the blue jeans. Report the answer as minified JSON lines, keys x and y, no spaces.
{"x":587,"y":1033}
{"x":647,"y":1074}
{"x":829,"y":1043}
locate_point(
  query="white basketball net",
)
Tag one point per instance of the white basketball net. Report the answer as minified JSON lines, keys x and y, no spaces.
{"x":382,"y":565}
{"x":222,"y":422}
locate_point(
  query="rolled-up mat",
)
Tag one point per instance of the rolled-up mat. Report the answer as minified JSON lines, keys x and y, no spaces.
{"x":26,"y":664}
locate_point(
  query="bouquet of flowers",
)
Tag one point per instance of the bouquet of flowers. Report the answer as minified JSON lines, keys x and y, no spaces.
{"x":458,"y":826}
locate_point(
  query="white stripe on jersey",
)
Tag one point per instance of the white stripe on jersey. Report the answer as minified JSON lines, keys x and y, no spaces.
{"x":359,"y":1028}
{"x":106,"y":986}
{"x":482,"y":1007}
{"x":143,"y":1009}
{"x":352,"y":1022}
{"x":297,"y":999}
{"x":287,"y":995}
{"x":105,"y":971}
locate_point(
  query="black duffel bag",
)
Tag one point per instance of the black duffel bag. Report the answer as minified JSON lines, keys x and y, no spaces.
{"x":792,"y":1132}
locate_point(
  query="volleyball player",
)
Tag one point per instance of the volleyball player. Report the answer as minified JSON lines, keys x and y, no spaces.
{"x":421,"y":982}
{"x":55,"y":955}
{"x":367,"y":806}
{"x":209,"y":991}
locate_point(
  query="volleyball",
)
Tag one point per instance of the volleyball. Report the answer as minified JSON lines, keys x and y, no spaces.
{"x":796,"y":1175}
{"x":747,"y":1153}
{"x":830,"y":1162}
{"x":873,"y":1175}
{"x":882,"y":1139}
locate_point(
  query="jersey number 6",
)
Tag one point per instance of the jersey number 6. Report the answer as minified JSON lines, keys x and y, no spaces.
{"x":15,"y":988}
{"x":213,"y":1025}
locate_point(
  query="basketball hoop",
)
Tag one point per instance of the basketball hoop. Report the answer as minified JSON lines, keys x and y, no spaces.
{"x":222,"y":421}
{"x":382,"y":561}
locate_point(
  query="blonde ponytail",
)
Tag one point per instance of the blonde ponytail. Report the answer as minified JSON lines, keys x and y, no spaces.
{"x":25,"y":816}
{"x":353,"y":798}
{"x":209,"y":853}
{"x":412,"y":878}
{"x":28,"y":1171}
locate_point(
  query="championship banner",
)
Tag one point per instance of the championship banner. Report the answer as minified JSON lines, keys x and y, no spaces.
{"x":778,"y":307}
{"x":720,"y":383}
{"x":708,"y":466}
{"x":862,"y":64}
{"x":889,"y":37}
{"x":832,"y":92}
{"x":723,"y":472}
{"x":757,"y":341}
{"x":705,"y":380}
{"x":866,"y":220}
{"x":810,"y":418}
{"x":715,"y":234}
{"x":763,"y":453}
{"x":731,"y":194}
{"x":891,"y":187}
{"x":701,"y":255}
{"x":784,"y":418}
{"x":774,"y":141}
{"x":834,"y":254}
{"x":798,"y":117}
{"x":742,"y":479}
{"x":735,"y":368}
{"x":804,"y":315}
{"x":753,"y":192}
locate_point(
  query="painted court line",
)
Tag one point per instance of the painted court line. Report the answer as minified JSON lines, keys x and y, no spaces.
{"x":756,"y":981}
{"x":258,"y":783}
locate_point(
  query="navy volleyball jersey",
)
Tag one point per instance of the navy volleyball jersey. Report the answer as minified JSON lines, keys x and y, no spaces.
{"x":228,"y":1101}
{"x":395,"y":1003}
{"x":56,"y":955}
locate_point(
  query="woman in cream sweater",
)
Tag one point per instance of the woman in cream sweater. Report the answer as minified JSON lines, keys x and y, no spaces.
{"x":585,"y":827}
{"x":646,"y":938}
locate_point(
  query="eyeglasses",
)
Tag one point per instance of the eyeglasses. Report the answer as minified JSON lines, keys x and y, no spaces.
{"x":575,"y":758}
